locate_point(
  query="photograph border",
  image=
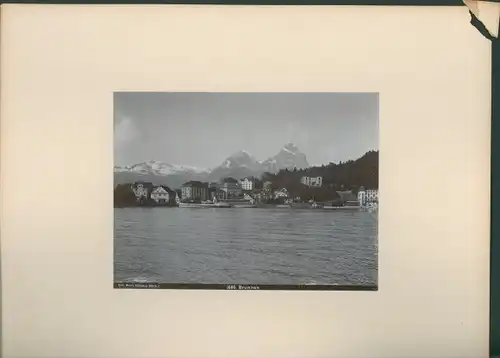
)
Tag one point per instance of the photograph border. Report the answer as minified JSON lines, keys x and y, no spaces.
{"x":234,"y":286}
{"x":253,"y":2}
{"x":495,"y":207}
{"x":495,"y":120}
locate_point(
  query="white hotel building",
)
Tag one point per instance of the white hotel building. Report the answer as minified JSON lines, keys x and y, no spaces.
{"x":312,"y":181}
{"x":368,"y":197}
{"x":247,"y":184}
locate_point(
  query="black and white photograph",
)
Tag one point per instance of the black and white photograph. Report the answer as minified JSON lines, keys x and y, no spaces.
{"x":260,"y":190}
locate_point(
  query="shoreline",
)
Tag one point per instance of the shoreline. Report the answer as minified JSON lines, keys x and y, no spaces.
{"x":258,"y":206}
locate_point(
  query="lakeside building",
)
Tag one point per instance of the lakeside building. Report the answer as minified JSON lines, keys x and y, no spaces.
{"x":230,"y":188}
{"x":260,"y":195}
{"x":281,"y":193}
{"x":194,"y":190}
{"x":247,"y":183}
{"x":212,"y":193}
{"x":161,"y":194}
{"x":312,"y":181}
{"x":367,"y":197}
{"x":267,"y":185}
{"x":142,"y":190}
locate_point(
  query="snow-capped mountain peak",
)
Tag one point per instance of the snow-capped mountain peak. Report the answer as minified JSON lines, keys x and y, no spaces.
{"x":290,"y":148}
{"x":241,"y":158}
{"x":289,"y":157}
{"x":159,"y":168}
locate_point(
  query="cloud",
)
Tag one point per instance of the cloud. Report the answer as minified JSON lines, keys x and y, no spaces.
{"x":125,"y":131}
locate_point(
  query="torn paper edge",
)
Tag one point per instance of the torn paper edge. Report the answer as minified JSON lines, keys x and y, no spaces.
{"x":487,"y":13}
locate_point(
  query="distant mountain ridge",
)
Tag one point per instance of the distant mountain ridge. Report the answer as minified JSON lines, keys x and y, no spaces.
{"x":238,"y":165}
{"x":158,"y":168}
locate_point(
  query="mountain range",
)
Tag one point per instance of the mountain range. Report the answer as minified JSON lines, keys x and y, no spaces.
{"x":238,"y":165}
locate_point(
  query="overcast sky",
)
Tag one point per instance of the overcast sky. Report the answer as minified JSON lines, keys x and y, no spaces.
{"x":202,"y":129}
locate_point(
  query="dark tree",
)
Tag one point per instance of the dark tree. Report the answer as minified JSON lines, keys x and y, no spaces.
{"x":347,"y":175}
{"x":124,"y":196}
{"x":258,"y":183}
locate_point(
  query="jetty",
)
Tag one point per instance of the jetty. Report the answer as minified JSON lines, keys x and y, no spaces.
{"x":205,"y":204}
{"x":239,"y":203}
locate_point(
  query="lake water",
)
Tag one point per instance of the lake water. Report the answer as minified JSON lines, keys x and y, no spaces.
{"x":245,"y":246}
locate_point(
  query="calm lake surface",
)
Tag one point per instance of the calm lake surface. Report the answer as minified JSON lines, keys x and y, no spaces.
{"x":245,"y":246}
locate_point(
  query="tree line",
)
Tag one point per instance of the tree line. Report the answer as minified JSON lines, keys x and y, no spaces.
{"x":348,"y":175}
